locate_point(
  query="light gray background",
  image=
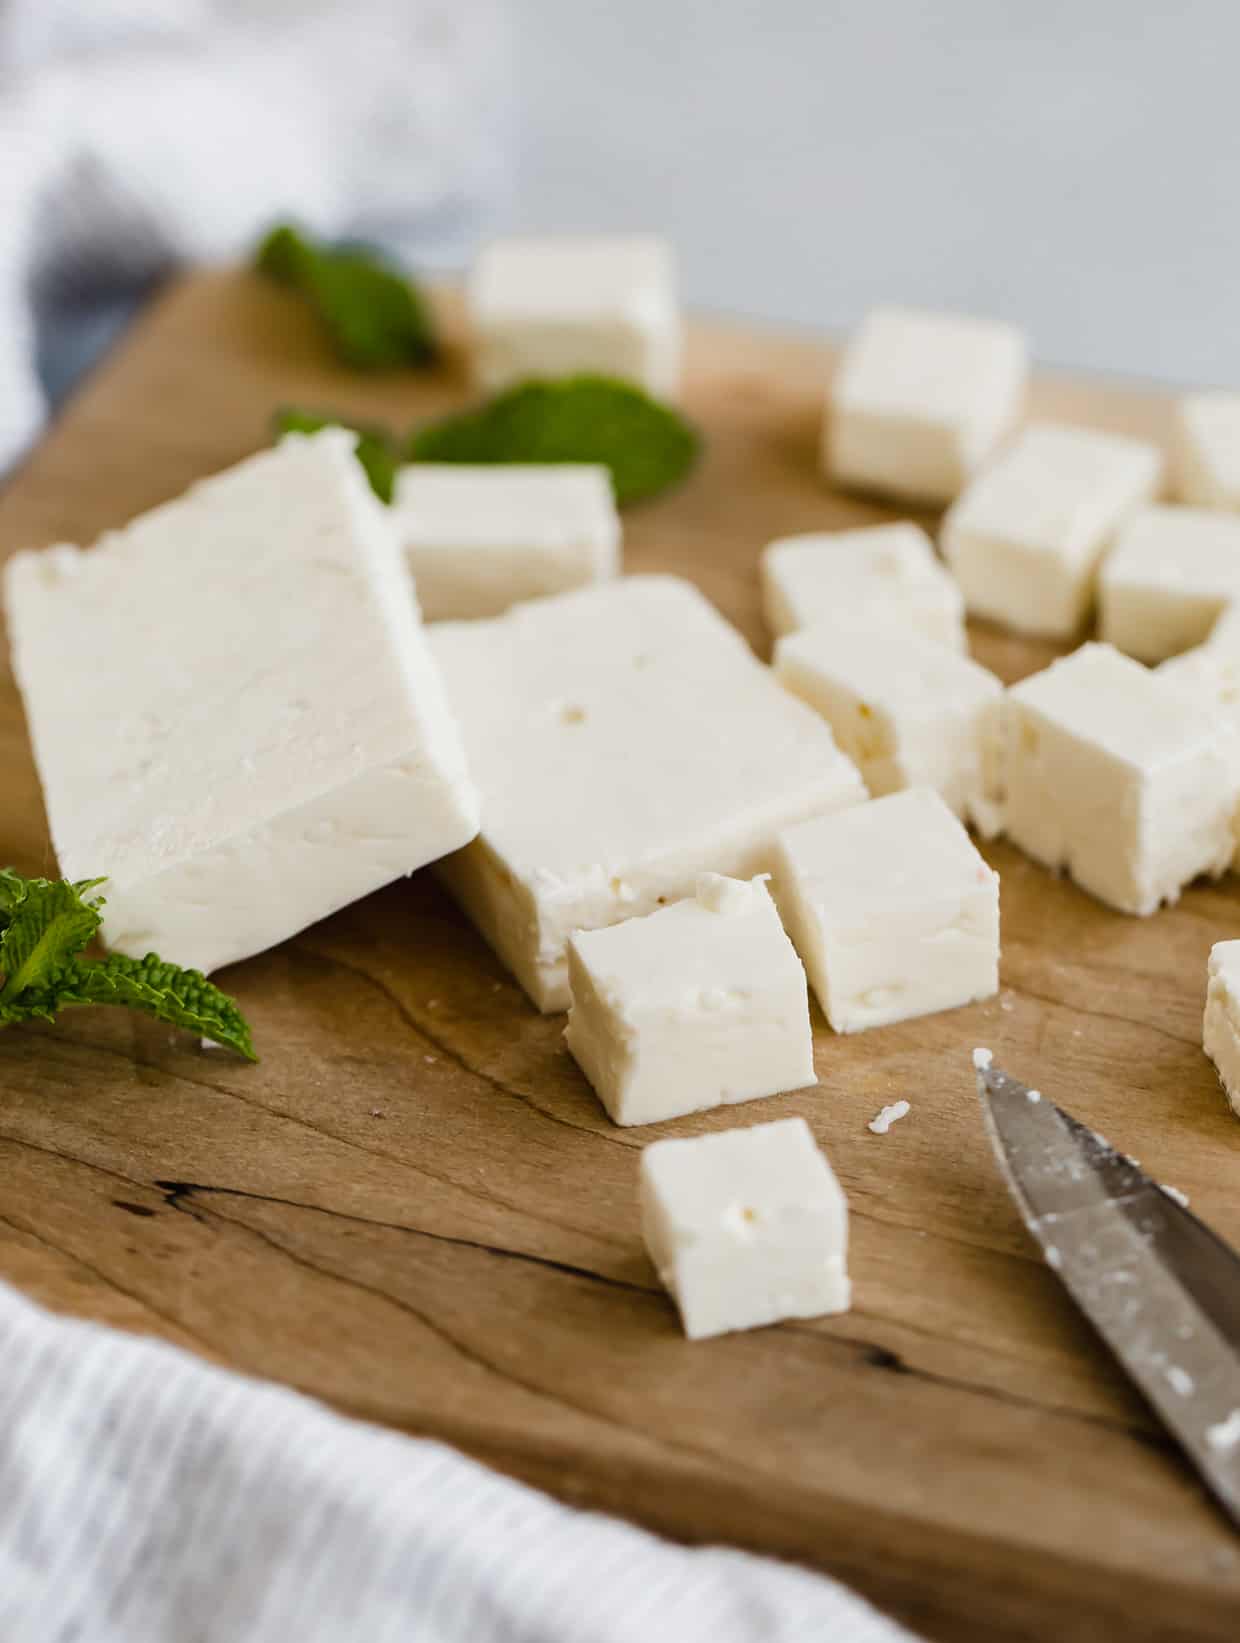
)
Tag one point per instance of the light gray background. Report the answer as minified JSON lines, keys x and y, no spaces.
{"x":1072,"y":167}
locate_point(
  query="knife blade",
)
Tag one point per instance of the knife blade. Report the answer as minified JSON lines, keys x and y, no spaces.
{"x":1161,"y":1289}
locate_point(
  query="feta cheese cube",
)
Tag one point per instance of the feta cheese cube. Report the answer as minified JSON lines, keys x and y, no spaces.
{"x":694,"y":1006}
{"x":479,"y":539}
{"x":1220,"y":1027}
{"x":233,"y":709}
{"x":919,"y":402}
{"x":625,"y":739}
{"x":746,"y":1227}
{"x":1117,"y":778}
{"x":892,"y":909}
{"x":1026,"y":539}
{"x":551,"y":306}
{"x":1208,"y":677}
{"x":908,"y":713}
{"x":887,"y":572}
{"x":1170,"y":576}
{"x":1206,"y":456}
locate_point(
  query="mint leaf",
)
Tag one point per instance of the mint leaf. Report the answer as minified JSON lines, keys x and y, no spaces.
{"x":374,"y":316}
{"x":376,"y":450}
{"x":647,"y":445}
{"x":45,"y":924}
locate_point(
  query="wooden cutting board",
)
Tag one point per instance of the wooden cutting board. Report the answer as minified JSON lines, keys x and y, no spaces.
{"x":415,"y":1209}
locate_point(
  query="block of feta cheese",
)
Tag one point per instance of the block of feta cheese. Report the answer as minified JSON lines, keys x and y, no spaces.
{"x":1220,"y":1028}
{"x":892,"y":909}
{"x":887,"y":572}
{"x":1027,"y":537}
{"x":1208,"y":676}
{"x":1172,"y":573}
{"x":624,"y":739}
{"x":695,"y":1005}
{"x":746,"y":1227}
{"x":546,"y":307}
{"x":920,"y":400}
{"x":233,"y":709}
{"x":479,"y":539}
{"x":907,"y":712}
{"x":1206,"y":456}
{"x":1116,"y":778}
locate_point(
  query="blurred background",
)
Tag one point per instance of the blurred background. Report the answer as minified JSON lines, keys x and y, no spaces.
{"x":1067,"y":166}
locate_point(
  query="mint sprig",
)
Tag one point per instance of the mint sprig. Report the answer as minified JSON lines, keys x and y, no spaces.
{"x":375,"y":450}
{"x":44,"y":926}
{"x":375,"y":316}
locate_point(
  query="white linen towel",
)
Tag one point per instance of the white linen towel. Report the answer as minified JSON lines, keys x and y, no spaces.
{"x":146,"y":1497}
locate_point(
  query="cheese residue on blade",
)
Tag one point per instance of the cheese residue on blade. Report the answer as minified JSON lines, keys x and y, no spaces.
{"x":1033,"y":1095}
{"x":1181,"y":1381}
{"x":1054,"y":1259}
{"x":887,"y":1117}
{"x":982,"y":1059}
{"x":1226,"y":1435}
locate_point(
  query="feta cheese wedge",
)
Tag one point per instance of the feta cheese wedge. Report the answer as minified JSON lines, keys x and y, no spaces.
{"x":550,"y":306}
{"x":1206,"y":456}
{"x":233,"y":709}
{"x":892,"y":909}
{"x":1026,"y":539}
{"x":1117,"y":778}
{"x":908,"y":713}
{"x":624,"y":739}
{"x":920,"y":401}
{"x":1220,"y":1027}
{"x":696,"y":1005}
{"x":880,"y":572}
{"x":746,"y":1227}
{"x":1172,"y":573}
{"x":479,"y":539}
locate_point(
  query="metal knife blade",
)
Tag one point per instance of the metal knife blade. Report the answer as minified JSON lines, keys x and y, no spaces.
{"x":1161,"y":1289}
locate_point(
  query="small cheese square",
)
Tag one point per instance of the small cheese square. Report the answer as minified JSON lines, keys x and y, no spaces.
{"x":1118,"y":779}
{"x":1170,"y":576}
{"x":746,"y":1227}
{"x":1206,"y":456}
{"x":552,"y":306}
{"x":1220,"y":1027}
{"x":233,"y":709}
{"x":697,"y":1005}
{"x":920,"y":400}
{"x":887,"y":572}
{"x":479,"y":539}
{"x":624,"y":739}
{"x":1208,"y":677}
{"x":908,"y":713}
{"x":1026,"y":539}
{"x":892,"y":909}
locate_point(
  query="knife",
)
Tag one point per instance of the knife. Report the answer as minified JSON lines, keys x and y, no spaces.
{"x":1161,"y":1289}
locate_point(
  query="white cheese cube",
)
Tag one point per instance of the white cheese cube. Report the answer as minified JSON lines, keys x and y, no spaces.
{"x":892,"y":909}
{"x":1220,"y":1027}
{"x":881,"y":572}
{"x":908,"y":713}
{"x":919,"y":402}
{"x":694,"y":1006}
{"x":746,"y":1227}
{"x":479,"y":539}
{"x":1209,"y":678}
{"x":1170,"y":576}
{"x":551,"y":306}
{"x":1026,"y":539}
{"x":1207,"y":450}
{"x":233,"y":709}
{"x":1117,"y":778}
{"x":625,"y":739}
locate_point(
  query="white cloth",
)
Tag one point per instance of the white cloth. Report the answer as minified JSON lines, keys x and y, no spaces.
{"x":146,"y":1497}
{"x":137,"y":134}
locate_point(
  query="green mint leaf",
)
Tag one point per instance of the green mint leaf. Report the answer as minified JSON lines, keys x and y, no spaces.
{"x":46,"y":925}
{"x":375,"y":317}
{"x":376,"y":448}
{"x":647,"y":445}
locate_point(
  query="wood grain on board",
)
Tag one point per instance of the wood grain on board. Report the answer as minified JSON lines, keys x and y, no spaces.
{"x":415,"y":1209}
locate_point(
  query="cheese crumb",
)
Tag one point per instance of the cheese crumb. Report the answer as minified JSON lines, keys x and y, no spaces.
{"x":719,"y":894}
{"x":1176,"y":1196}
{"x":887,"y":1117}
{"x":1181,"y":1381}
{"x":1226,"y":1435}
{"x":982,"y":1059}
{"x":1054,"y":1259}
{"x":1033,"y":1095}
